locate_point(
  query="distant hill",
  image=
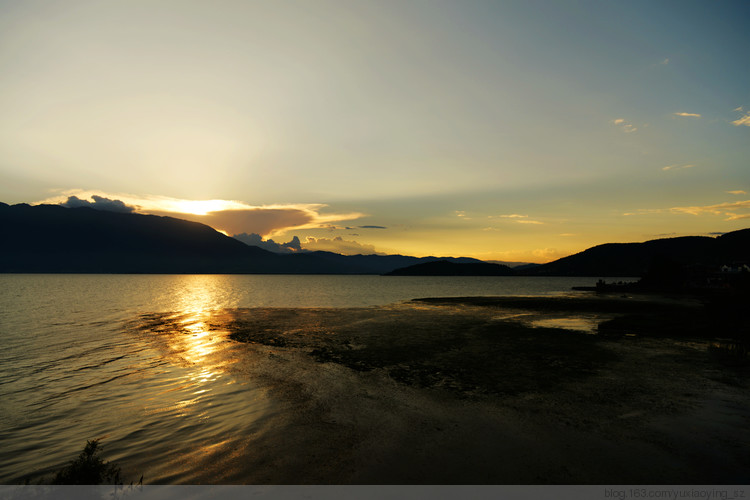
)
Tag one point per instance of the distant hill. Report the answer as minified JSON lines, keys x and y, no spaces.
{"x":446,"y":268}
{"x":636,"y":259}
{"x":513,"y":265}
{"x":614,"y":259}
{"x":328,"y":262}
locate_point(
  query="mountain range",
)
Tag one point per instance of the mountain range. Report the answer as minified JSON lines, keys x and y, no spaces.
{"x":55,"y":239}
{"x":447,"y":268}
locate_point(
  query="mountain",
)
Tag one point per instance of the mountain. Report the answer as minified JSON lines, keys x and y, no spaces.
{"x":446,"y":268}
{"x":55,"y":239}
{"x":637,"y":259}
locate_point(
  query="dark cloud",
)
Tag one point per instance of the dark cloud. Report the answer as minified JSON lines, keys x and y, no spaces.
{"x":340,"y":245}
{"x":294,"y":244}
{"x":99,"y":203}
{"x":372,"y":227}
{"x":257,"y":240}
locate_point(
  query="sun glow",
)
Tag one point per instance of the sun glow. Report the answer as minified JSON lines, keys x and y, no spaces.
{"x":226,"y":216}
{"x":200,"y":207}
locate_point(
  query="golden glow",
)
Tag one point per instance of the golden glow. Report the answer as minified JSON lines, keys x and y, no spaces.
{"x":200,"y":207}
{"x":226,"y":216}
{"x":197,"y":341}
{"x":151,"y":203}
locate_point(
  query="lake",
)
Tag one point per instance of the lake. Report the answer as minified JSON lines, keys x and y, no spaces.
{"x":173,"y":402}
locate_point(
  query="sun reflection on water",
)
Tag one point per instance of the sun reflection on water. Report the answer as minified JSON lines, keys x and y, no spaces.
{"x":196,"y":303}
{"x":193,"y":336}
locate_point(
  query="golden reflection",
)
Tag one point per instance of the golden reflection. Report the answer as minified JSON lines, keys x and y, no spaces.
{"x":194,"y":390}
{"x":194,"y":339}
{"x":196,"y":302}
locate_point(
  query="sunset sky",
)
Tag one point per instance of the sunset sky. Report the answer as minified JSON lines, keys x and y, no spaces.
{"x":501,"y":130}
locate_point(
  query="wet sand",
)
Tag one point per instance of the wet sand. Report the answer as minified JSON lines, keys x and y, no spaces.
{"x":489,"y":391}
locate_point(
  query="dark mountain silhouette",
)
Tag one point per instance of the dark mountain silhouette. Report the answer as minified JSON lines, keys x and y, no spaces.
{"x":359,"y":264}
{"x":446,"y":268}
{"x":51,"y":238}
{"x":663,"y":261}
{"x":513,"y":265}
{"x":524,"y":267}
{"x":56,"y":239}
{"x":638,"y":259}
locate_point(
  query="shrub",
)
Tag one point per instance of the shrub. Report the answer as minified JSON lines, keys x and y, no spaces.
{"x":89,"y":468}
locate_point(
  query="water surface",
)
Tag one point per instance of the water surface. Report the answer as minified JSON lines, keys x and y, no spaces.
{"x":169,"y":402}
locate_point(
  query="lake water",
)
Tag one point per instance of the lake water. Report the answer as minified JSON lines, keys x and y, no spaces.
{"x":76,"y":363}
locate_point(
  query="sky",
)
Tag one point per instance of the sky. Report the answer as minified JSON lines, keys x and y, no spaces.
{"x":501,"y":130}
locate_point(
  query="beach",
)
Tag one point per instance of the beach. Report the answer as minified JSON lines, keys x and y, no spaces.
{"x":486,"y":391}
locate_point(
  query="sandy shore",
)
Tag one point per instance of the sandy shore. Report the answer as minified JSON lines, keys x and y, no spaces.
{"x":481,"y":391}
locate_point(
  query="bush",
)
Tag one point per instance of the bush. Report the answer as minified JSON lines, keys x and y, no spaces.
{"x":89,"y":468}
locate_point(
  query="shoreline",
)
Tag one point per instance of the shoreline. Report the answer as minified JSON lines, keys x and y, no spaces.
{"x":451,"y":391}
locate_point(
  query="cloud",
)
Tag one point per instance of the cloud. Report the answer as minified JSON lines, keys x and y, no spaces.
{"x":519,"y":218}
{"x":260,"y":220}
{"x":644,"y":211}
{"x":268,"y":220}
{"x":371,"y":227}
{"x":547,"y":254}
{"x":338,"y":245}
{"x":624,"y":125}
{"x":270,"y":245}
{"x":687,"y":115}
{"x":665,"y":61}
{"x":99,"y":203}
{"x":229,"y":216}
{"x":678,"y":167}
{"x":738,"y":108}
{"x":728,"y":210}
{"x":745,"y":120}
{"x":739,"y":191}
